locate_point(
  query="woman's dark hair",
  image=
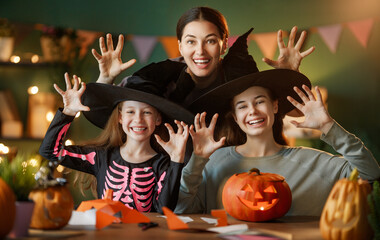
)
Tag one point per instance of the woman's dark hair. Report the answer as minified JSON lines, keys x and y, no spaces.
{"x":203,"y":13}
{"x":235,"y":136}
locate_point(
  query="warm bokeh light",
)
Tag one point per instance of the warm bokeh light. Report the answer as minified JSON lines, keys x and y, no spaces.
{"x":33,"y":162}
{"x":49,"y":116}
{"x":69,"y":142}
{"x":35,"y":58}
{"x":4,"y":149}
{"x":60,"y":168}
{"x":33,"y":90}
{"x":15,"y":59}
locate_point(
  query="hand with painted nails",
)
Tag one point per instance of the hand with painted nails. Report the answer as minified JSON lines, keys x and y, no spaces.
{"x":316,"y":114}
{"x":176,"y":146}
{"x":110,"y":63}
{"x":290,"y":56}
{"x":72,"y":96}
{"x":203,"y":137}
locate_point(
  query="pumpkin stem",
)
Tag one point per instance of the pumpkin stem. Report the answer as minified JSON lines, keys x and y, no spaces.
{"x":257,"y":171}
{"x":354,"y":175}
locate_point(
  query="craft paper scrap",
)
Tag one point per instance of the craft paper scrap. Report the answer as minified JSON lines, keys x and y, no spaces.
{"x":184,"y":219}
{"x":83,"y":218}
{"x":228,"y":229}
{"x":222,"y":217}
{"x":210,"y":220}
{"x":174,"y":223}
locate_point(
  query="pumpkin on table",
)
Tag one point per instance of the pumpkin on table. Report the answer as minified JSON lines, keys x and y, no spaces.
{"x":53,"y":202}
{"x":255,"y":196}
{"x":7,"y":209}
{"x":344,"y":215}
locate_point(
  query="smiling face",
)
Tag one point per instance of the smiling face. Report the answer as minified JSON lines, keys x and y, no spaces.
{"x":201,"y":47}
{"x":138,"y":120}
{"x":254,"y":111}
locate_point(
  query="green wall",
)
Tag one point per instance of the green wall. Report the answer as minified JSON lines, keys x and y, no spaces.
{"x":351,"y":75}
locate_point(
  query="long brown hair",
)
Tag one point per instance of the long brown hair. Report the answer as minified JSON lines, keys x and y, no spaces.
{"x":235,"y":136}
{"x":203,"y":13}
{"x":112,"y":136}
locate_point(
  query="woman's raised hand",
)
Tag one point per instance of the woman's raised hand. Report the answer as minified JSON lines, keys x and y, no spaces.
{"x":316,"y":114}
{"x":72,"y":96}
{"x":176,"y":146}
{"x":110,"y":63}
{"x":203,"y":137}
{"x":290,"y":56}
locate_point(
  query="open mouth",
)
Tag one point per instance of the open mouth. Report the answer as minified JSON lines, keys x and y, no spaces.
{"x":138,"y":129}
{"x":255,"y":122}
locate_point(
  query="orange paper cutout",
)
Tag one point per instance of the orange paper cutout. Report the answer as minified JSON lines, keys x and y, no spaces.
{"x":133,"y":216}
{"x":104,"y":219}
{"x":222,"y":217}
{"x":107,"y":208}
{"x":174,"y":223}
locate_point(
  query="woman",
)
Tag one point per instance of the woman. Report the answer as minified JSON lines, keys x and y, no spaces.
{"x":257,"y":104}
{"x":126,"y":156}
{"x":202,"y":34}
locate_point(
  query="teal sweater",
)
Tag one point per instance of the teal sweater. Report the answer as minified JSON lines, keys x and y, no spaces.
{"x":310,"y":173}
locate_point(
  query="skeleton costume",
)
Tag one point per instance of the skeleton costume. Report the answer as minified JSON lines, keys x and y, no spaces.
{"x":146,"y":186}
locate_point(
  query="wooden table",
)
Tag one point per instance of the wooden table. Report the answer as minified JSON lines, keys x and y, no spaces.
{"x":305,"y":228}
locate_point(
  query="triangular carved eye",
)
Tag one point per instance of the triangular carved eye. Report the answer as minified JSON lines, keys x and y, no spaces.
{"x":258,"y":195}
{"x":247,"y":188}
{"x":270,"y":189}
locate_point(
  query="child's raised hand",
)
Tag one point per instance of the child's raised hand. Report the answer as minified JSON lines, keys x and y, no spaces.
{"x":110,"y":63}
{"x":316,"y":115}
{"x":290,"y":56}
{"x":72,"y":96}
{"x":176,"y":146}
{"x":203,"y":137}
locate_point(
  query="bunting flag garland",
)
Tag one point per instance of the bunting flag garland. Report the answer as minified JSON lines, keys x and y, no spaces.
{"x":85,"y":40}
{"x":361,"y":30}
{"x":144,"y":46}
{"x":171,"y":46}
{"x":267,"y":43}
{"x":330,"y":35}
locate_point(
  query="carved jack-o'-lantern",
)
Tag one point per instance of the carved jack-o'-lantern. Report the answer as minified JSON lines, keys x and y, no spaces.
{"x":344,"y":215}
{"x":53,"y":207}
{"x":255,"y":196}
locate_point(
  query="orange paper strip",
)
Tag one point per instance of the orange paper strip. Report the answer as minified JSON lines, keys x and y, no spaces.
{"x":222,"y":217}
{"x":174,"y":223}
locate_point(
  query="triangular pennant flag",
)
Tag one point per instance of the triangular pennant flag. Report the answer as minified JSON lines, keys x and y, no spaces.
{"x":267,"y":43}
{"x":231,"y":40}
{"x":330,"y":35}
{"x":85,"y":40}
{"x":174,"y":223}
{"x":222,"y":217}
{"x":361,"y":30}
{"x":144,"y":46}
{"x":171,"y":46}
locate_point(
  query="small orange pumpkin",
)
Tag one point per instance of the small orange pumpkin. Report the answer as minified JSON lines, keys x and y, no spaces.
{"x":53,"y":207}
{"x":7,"y":209}
{"x":255,"y":196}
{"x":344,"y":215}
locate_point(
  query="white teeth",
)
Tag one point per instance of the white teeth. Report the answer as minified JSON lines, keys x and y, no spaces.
{"x":256,"y":121}
{"x":138,"y":129}
{"x":201,"y":61}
